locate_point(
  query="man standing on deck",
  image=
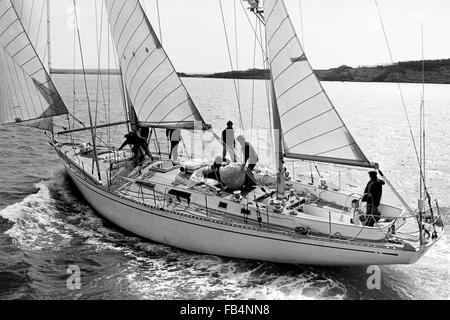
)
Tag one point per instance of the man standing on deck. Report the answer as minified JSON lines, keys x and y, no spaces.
{"x":229,"y":144}
{"x":372,"y":196}
{"x":138,"y":144}
{"x":174,"y":135}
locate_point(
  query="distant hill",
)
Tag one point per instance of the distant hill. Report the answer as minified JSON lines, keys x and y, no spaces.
{"x":436,"y":71}
{"x":247,"y":74}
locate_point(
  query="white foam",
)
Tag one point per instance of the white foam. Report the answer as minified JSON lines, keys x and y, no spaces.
{"x":33,"y":219}
{"x":212,"y":277}
{"x":36,"y":225}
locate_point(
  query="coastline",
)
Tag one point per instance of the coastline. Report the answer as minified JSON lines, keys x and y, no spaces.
{"x":436,"y":72}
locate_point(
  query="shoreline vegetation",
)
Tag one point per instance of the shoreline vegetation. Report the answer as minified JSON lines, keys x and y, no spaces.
{"x":436,"y":71}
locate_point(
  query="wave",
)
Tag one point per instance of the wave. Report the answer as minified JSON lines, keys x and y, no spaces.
{"x":166,"y":273}
{"x":50,"y":220}
{"x":35,"y":223}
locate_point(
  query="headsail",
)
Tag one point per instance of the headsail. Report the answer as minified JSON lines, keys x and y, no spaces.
{"x":33,"y":15}
{"x":312,"y":128}
{"x":27,"y":93}
{"x":155,"y":89}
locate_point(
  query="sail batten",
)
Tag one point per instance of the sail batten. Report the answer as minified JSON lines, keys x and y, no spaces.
{"x":155,"y":90}
{"x":29,"y":93}
{"x":311,"y":127}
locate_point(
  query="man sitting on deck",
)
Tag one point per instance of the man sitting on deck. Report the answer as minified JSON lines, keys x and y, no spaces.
{"x":138,"y":144}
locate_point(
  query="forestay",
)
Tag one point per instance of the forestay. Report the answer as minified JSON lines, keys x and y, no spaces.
{"x":27,"y":93}
{"x":154,"y":87}
{"x":312,"y":128}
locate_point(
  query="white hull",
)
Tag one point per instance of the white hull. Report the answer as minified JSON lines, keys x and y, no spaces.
{"x":203,"y":236}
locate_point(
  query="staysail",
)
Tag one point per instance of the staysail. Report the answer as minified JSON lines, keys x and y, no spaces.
{"x":312,"y":128}
{"x":27,"y":93}
{"x":154,"y":87}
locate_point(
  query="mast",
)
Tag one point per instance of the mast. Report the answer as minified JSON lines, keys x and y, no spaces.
{"x":423,"y":190}
{"x":125,"y":99}
{"x":49,"y":44}
{"x":278,"y":131}
{"x":423,"y":146}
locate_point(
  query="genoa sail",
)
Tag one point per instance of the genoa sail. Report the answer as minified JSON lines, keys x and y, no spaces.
{"x":27,"y":94}
{"x":33,"y":15}
{"x":311,"y":126}
{"x":155,"y":90}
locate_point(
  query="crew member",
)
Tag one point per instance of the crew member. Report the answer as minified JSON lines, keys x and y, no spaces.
{"x":229,"y":144}
{"x":138,"y":144}
{"x":250,"y":159}
{"x":174,"y":135}
{"x":372,"y":196}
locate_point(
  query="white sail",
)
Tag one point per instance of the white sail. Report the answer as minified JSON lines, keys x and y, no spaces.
{"x":33,"y":15}
{"x":311,"y":127}
{"x":154,"y":87}
{"x":27,"y":93}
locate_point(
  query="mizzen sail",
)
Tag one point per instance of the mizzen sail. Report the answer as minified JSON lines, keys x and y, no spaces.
{"x":154,"y":87}
{"x":312,"y":128}
{"x":27,"y":93}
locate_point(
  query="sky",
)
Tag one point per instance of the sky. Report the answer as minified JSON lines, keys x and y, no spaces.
{"x":334,"y":32}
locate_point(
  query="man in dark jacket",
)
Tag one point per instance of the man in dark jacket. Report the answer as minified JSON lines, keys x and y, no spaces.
{"x":138,"y":144}
{"x":372,"y":195}
{"x":229,"y":144}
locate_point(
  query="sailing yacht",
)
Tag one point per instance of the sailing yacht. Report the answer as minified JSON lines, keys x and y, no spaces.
{"x":183,"y":203}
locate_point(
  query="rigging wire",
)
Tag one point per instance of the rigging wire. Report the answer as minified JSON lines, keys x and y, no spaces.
{"x":421,"y":169}
{"x":159,"y":22}
{"x":74,"y":80}
{"x":87,"y":91}
{"x":301,"y":25}
{"x":254,"y":81}
{"x":98,"y":34}
{"x":423,"y":115}
{"x":100,"y":85}
{"x":109,"y":86}
{"x":241,"y":123}
{"x":260,"y":40}
{"x":400,"y":90}
{"x":266,"y":66}
{"x":236,"y":45}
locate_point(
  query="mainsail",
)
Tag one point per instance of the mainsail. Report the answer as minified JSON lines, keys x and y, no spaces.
{"x":312,"y":128}
{"x":154,"y":87}
{"x":27,"y":93}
